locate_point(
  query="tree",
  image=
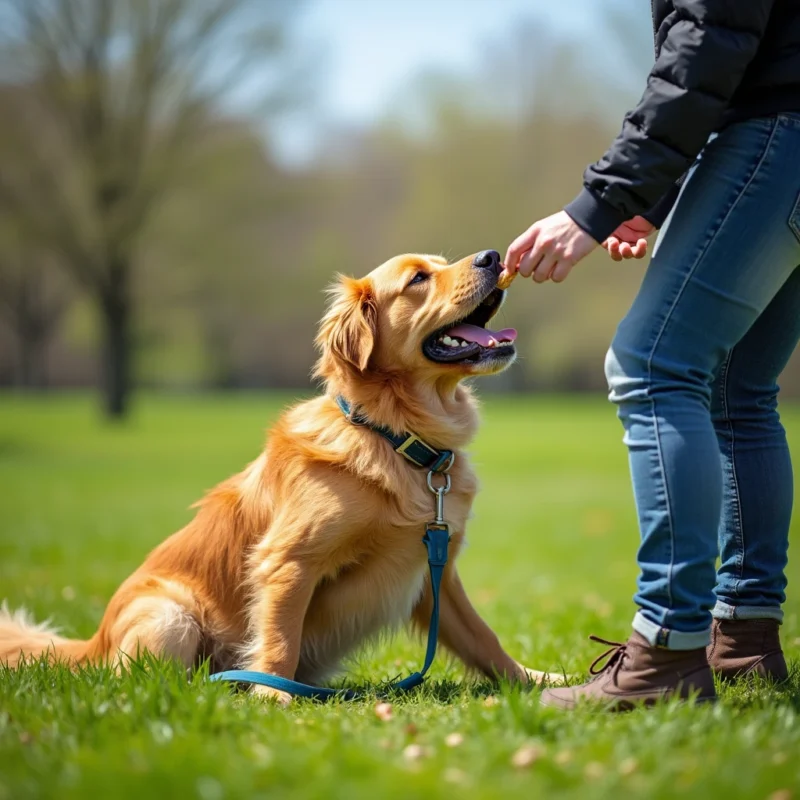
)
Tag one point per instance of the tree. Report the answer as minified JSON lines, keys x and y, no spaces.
{"x":106,"y":98}
{"x":33,"y":305}
{"x":33,"y":299}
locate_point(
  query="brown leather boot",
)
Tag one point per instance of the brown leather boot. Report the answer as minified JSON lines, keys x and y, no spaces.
{"x":741,"y":647}
{"x":636,"y":673}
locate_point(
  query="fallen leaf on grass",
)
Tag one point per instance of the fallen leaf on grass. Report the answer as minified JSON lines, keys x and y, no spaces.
{"x":594,"y":770}
{"x":628,"y":766}
{"x":415,"y":752}
{"x":526,"y":756}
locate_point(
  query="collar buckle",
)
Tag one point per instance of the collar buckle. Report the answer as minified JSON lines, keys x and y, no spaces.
{"x":408,"y":445}
{"x":413,"y":441}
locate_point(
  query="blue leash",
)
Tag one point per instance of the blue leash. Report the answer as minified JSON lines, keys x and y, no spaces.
{"x":436,"y":539}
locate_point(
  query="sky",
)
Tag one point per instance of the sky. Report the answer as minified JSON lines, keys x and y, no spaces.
{"x":376,"y":45}
{"x":368,"y":49}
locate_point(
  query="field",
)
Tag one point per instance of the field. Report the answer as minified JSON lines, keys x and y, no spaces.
{"x":550,"y":560}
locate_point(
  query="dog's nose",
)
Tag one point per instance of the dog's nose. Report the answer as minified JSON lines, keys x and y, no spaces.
{"x":488,"y":259}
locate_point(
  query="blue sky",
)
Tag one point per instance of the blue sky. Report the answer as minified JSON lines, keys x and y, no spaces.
{"x":374,"y":46}
{"x":370,"y":49}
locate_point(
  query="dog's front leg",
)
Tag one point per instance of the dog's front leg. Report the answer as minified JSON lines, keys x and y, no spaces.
{"x":466,"y":635}
{"x":284,"y":587}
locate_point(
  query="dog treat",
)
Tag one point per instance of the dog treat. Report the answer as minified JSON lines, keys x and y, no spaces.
{"x":505,"y":280}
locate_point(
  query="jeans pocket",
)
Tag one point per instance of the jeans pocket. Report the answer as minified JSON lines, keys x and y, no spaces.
{"x":794,"y":219}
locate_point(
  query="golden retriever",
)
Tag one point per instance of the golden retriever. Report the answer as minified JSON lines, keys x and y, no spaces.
{"x":315,"y":547}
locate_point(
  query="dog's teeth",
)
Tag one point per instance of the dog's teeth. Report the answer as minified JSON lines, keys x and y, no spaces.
{"x":453,"y":343}
{"x":465,"y":344}
{"x":447,"y":340}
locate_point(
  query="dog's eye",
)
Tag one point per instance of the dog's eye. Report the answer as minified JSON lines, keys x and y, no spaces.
{"x":420,"y":277}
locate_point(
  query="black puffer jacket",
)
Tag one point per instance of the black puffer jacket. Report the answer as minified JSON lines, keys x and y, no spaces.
{"x":717,"y":61}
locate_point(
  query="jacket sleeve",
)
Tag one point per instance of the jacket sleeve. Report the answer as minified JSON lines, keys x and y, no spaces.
{"x":701,"y":62}
{"x":657,"y":215}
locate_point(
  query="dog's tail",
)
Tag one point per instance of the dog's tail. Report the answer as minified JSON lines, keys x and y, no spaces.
{"x":21,"y":637}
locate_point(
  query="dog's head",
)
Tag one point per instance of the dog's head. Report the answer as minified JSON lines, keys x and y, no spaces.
{"x":417,"y":314}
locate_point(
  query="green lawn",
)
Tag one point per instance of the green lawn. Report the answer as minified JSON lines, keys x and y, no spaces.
{"x":550,"y":560}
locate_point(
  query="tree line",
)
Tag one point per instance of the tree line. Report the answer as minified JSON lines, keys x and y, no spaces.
{"x":149,"y":235}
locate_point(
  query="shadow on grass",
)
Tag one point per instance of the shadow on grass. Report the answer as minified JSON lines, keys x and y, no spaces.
{"x":757,"y":692}
{"x":169,"y":678}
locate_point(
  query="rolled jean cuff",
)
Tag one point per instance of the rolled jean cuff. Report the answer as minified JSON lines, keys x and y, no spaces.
{"x":658,"y":636}
{"x":725,"y":611}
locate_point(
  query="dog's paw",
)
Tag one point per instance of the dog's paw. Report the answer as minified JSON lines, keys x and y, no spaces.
{"x":268,"y":694}
{"x":543,"y":678}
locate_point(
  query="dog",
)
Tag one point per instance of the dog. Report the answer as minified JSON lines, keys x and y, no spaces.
{"x":315,"y":548}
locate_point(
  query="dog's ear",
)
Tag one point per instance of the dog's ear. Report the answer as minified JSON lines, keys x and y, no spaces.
{"x":349,"y":327}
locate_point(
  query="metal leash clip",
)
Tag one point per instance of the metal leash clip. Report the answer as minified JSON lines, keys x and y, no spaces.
{"x":440,"y":492}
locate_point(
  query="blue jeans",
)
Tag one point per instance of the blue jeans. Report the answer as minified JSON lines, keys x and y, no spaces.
{"x":694,"y":367}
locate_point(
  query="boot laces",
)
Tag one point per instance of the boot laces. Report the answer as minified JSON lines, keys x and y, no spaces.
{"x":612,"y":657}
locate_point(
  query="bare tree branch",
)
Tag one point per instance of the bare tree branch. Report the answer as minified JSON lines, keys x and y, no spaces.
{"x":52,"y":223}
{"x":115,"y":93}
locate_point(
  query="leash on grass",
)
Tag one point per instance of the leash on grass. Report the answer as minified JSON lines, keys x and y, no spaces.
{"x":436,"y":540}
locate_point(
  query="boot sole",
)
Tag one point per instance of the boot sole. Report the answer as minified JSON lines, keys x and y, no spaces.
{"x":622,"y":705}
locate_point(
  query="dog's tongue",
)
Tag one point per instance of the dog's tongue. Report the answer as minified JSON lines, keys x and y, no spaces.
{"x":482,"y":336}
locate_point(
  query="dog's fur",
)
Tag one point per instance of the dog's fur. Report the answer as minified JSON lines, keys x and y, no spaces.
{"x":316,"y":546}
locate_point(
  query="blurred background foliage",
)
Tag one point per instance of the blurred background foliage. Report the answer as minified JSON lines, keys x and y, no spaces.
{"x":155,"y":233}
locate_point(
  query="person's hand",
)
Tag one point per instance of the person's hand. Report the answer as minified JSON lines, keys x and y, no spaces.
{"x":630,"y":239}
{"x":550,"y":248}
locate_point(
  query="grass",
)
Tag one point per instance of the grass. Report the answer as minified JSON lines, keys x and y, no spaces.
{"x":551,"y":559}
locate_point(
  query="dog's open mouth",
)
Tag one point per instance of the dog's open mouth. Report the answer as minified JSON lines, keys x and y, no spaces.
{"x":469,"y":339}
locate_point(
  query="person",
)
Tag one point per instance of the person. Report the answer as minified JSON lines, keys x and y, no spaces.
{"x":694,"y":364}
